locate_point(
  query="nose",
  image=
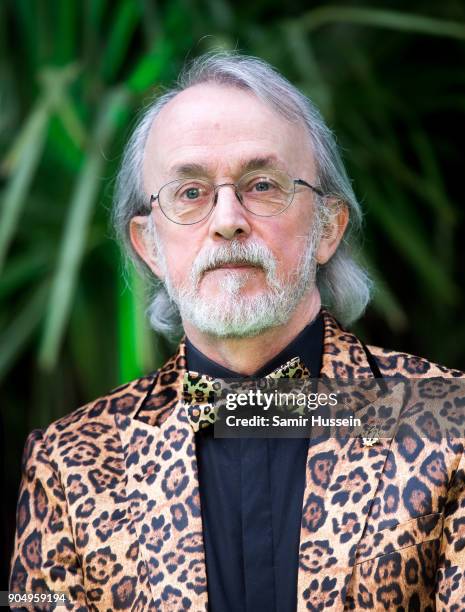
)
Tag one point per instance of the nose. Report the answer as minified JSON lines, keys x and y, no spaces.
{"x":229,"y":218}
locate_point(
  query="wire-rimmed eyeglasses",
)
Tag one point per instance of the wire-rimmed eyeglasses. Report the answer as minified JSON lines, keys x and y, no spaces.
{"x":263,"y":193}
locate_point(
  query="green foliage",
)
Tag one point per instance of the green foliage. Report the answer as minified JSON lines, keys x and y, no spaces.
{"x":74,"y":74}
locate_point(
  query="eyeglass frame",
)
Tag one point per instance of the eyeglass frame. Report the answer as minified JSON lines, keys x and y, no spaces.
{"x":296,"y":181}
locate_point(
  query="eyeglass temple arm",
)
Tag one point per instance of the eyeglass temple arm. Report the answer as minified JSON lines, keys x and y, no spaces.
{"x":312,"y":187}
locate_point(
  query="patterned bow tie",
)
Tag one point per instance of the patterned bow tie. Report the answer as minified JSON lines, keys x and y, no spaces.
{"x":201,"y":391}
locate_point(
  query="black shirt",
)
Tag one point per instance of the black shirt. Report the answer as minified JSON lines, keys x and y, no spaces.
{"x":251,"y":492}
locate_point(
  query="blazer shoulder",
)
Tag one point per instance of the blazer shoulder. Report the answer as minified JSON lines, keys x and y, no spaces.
{"x":101,"y":411}
{"x":391,"y":363}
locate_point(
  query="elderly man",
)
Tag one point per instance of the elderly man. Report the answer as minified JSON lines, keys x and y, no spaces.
{"x":233,"y":198}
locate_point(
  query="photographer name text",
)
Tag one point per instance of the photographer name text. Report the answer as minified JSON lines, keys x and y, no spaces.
{"x":299,"y":421}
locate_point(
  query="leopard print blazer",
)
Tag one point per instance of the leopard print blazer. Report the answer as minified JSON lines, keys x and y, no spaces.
{"x":109,"y":508}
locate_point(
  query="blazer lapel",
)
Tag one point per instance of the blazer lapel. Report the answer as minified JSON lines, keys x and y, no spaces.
{"x":163,"y":494}
{"x":341,"y":481}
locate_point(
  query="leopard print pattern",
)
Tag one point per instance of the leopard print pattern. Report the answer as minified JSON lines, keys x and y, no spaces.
{"x":200,"y":389}
{"x":199,"y":394}
{"x":109,"y":507}
{"x":293,"y":368}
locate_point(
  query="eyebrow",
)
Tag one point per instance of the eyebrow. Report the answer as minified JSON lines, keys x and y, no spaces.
{"x":195,"y":170}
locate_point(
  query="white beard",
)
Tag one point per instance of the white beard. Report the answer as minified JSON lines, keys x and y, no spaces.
{"x":229,"y":313}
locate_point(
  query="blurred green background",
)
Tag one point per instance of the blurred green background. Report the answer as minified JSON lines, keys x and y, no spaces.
{"x":73,"y":74}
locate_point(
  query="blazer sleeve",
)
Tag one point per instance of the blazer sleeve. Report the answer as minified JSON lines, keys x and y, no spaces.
{"x":44,"y":556}
{"x":450,"y":587}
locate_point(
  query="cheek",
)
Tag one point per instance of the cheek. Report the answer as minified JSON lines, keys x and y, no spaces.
{"x":179,"y":263}
{"x":179,"y":250}
{"x":287,"y":263}
{"x":288,"y":246}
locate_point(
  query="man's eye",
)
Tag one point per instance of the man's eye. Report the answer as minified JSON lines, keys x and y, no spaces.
{"x":263,"y":186}
{"x":191,"y":193}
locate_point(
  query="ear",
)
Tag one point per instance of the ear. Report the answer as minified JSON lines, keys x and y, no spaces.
{"x":142,"y":236}
{"x":334,"y":225}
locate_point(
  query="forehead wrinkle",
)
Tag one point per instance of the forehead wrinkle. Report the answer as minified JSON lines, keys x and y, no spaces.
{"x":197,"y":170}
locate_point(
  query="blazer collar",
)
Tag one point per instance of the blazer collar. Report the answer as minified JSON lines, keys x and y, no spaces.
{"x":163,"y":488}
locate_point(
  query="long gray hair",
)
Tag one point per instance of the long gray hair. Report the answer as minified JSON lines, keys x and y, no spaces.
{"x":343,"y":284}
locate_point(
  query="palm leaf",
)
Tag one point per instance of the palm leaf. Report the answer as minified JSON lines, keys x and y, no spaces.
{"x":84,"y":198}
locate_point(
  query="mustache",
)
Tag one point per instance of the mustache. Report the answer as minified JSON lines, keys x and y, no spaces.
{"x":251,"y":253}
